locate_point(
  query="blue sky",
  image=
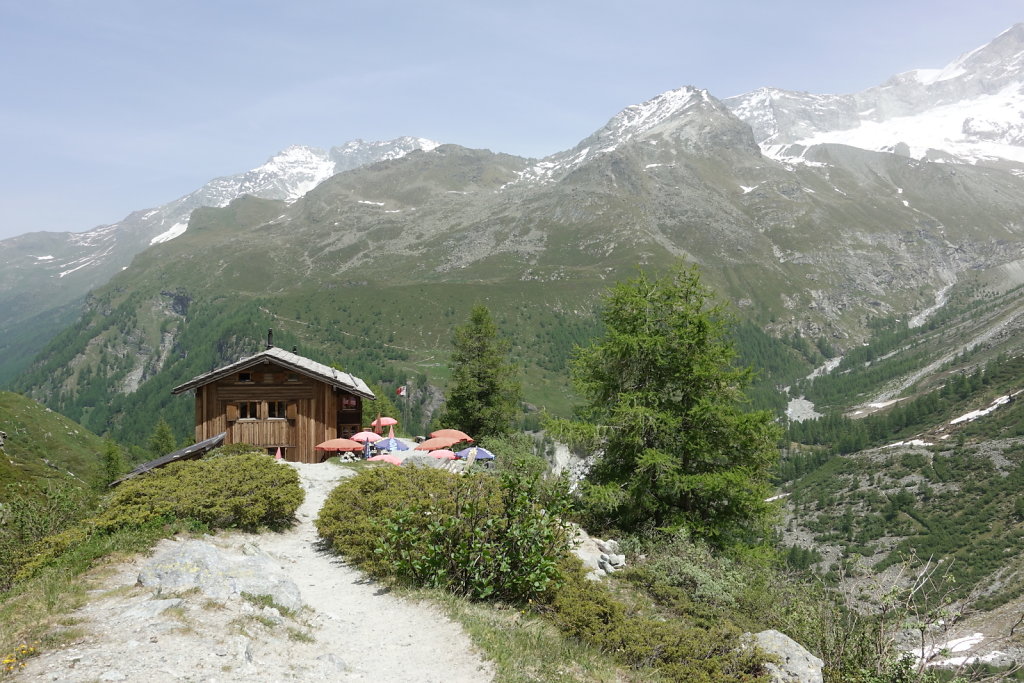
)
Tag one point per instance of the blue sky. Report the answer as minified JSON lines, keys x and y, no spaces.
{"x":112,"y":106}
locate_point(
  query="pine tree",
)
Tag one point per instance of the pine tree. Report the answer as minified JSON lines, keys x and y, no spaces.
{"x":161,"y":440}
{"x":112,"y":463}
{"x":484,"y":392}
{"x":665,"y":412}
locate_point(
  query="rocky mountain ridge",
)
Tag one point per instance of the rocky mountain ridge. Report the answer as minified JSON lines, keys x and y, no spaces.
{"x":42,"y":273}
{"x":967,"y":112}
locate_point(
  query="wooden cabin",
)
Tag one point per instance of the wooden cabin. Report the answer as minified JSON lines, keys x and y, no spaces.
{"x":277,"y":399}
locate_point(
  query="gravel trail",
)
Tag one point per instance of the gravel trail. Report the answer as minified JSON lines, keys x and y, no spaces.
{"x":350,"y":629}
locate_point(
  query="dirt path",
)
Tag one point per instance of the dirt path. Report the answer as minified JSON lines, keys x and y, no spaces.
{"x":351,"y":628}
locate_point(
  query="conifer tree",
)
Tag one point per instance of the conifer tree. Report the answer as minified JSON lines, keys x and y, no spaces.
{"x":112,"y":463}
{"x":484,"y":392}
{"x":665,"y":412}
{"x":161,"y":440}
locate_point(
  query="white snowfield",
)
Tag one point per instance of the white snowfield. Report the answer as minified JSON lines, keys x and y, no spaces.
{"x":983,"y":128}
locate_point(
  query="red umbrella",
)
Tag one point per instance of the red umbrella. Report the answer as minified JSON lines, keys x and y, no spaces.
{"x":434,"y":444}
{"x":452,"y":433}
{"x":394,"y":460}
{"x":443,"y":454}
{"x":363,"y":437}
{"x":339,"y":445}
{"x":384,"y":422}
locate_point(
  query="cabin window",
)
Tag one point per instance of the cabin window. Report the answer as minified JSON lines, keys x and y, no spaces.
{"x":276,"y":410}
{"x":245,"y":377}
{"x":248,"y":410}
{"x":348,"y":402}
{"x":293,"y":377}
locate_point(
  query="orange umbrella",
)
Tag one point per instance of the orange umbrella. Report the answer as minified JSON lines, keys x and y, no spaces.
{"x":366,"y":436}
{"x":443,"y":454}
{"x":394,"y":460}
{"x":453,"y":433}
{"x":339,"y":445}
{"x":436,"y":443}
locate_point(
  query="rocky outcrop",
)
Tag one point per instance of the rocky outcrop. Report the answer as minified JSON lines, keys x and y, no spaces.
{"x":197,"y":564}
{"x":795,"y":663}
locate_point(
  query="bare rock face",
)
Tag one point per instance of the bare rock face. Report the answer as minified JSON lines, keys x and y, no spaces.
{"x":797,"y":665}
{"x":181,"y":566}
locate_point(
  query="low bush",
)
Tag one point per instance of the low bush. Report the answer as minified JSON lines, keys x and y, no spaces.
{"x":678,"y":649}
{"x":481,"y":536}
{"x":242,"y":491}
{"x":241,"y":448}
{"x":500,"y":537}
{"x":30,"y":514}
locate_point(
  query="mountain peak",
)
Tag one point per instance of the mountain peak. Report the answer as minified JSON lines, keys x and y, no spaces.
{"x":687,"y":113}
{"x":969,"y":111}
{"x":637,"y":119}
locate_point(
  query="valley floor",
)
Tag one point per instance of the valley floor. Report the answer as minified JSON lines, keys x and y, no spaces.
{"x":349,"y":628}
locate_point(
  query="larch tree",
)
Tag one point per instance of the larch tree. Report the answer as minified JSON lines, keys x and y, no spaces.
{"x":112,"y":463}
{"x":484,"y":392}
{"x":665,"y":412}
{"x":161,"y":441}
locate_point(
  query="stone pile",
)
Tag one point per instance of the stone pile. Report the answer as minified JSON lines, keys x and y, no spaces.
{"x":599,"y":557}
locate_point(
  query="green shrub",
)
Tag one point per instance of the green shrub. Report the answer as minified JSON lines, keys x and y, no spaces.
{"x":30,"y":514}
{"x":481,"y":536}
{"x":587,"y":610}
{"x":239,"y":491}
{"x":241,"y":448}
{"x":516,"y":452}
{"x":353,"y":516}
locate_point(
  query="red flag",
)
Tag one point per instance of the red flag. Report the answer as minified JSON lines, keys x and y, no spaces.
{"x":401,"y":391}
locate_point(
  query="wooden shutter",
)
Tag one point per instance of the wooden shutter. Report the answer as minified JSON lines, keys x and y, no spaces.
{"x":292,"y":411}
{"x":232,"y":412}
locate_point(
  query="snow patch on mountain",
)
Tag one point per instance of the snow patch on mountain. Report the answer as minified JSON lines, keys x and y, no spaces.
{"x":174,"y":231}
{"x":970,"y":111}
{"x":985,"y":128}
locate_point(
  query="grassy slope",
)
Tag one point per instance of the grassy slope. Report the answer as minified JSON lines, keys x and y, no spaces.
{"x":42,"y":444}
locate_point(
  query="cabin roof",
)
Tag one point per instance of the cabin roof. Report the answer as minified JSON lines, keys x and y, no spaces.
{"x":196,"y":450}
{"x":291,"y":361}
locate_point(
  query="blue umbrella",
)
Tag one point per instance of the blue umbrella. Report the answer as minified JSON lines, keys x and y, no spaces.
{"x":481,"y":453}
{"x":391,"y":444}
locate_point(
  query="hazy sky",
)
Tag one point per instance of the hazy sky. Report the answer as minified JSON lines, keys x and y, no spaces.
{"x":112,"y":106}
